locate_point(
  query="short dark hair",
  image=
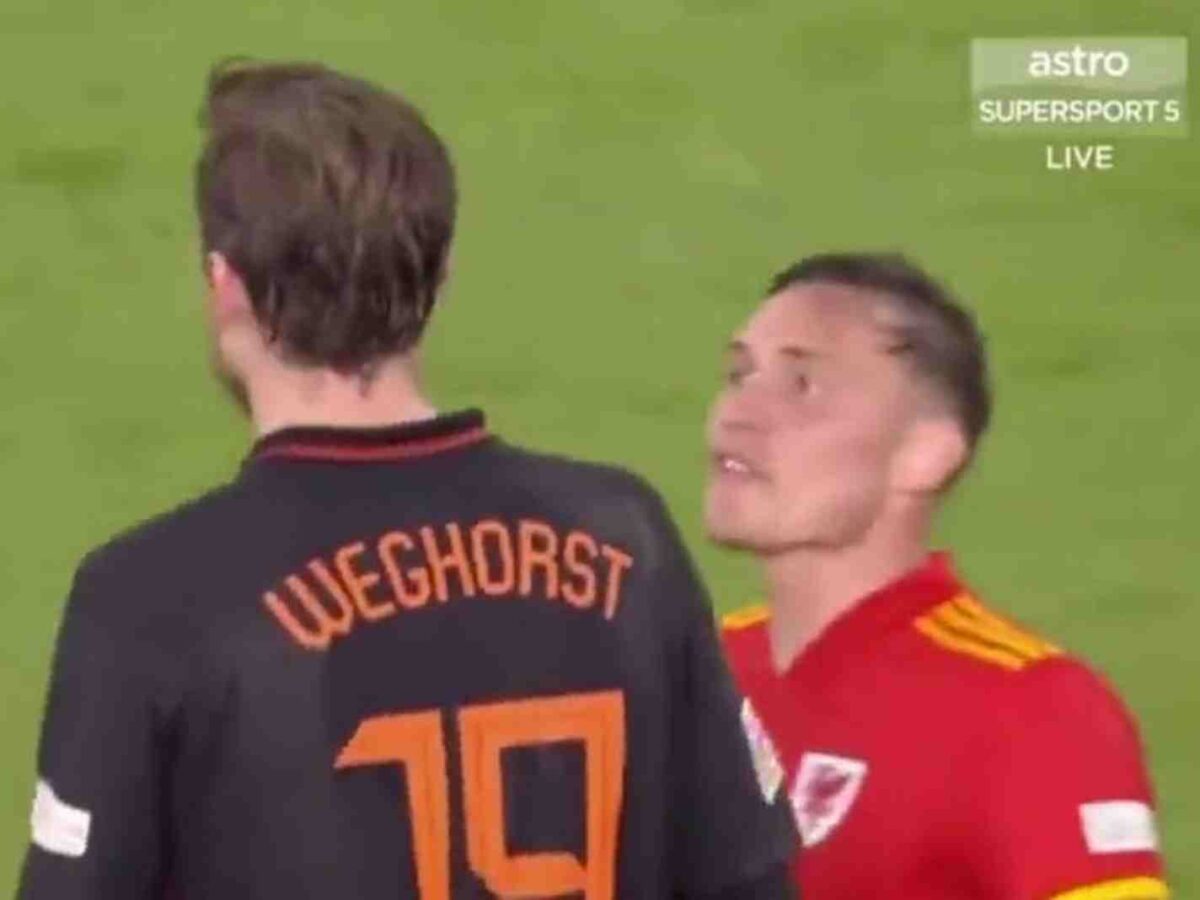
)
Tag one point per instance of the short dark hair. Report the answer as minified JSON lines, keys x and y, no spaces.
{"x":935,"y":332}
{"x":333,"y":200}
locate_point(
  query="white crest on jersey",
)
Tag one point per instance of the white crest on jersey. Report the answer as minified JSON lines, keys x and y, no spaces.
{"x":825,"y":788}
{"x":767,"y":767}
{"x":1118,"y":826}
{"x":58,"y":827}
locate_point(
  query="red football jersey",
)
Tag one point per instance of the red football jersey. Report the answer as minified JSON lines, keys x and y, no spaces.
{"x":934,"y":750}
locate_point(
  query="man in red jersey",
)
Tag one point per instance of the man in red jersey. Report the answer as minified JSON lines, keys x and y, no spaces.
{"x":930,"y":748}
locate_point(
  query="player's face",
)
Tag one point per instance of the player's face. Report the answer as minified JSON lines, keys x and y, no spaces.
{"x":804,"y":433}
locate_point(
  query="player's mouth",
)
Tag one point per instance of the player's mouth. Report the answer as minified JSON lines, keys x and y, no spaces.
{"x":730,"y":465}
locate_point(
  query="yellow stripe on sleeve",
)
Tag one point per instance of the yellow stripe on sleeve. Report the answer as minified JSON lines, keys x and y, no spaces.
{"x":976,"y":610}
{"x":1123,"y":889}
{"x":941,"y":635}
{"x":987,"y":631}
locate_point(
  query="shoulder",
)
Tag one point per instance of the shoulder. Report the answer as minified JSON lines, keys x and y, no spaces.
{"x":963,"y":632}
{"x":1017,"y":671}
{"x":130,"y":608}
{"x":744,"y":635}
{"x":548,"y":472}
{"x":161,"y":550}
{"x":167,"y":530}
{"x":1075,"y":704}
{"x":743,"y":623}
{"x":615,"y":500}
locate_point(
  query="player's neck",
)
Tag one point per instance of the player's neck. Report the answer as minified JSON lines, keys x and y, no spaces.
{"x":286,"y":397}
{"x":809,"y":587}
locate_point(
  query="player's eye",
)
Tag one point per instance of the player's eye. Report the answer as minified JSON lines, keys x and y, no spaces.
{"x":801,"y":382}
{"x":736,"y":374}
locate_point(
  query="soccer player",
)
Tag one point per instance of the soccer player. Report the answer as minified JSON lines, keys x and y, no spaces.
{"x":932,"y":748}
{"x":396,"y":656}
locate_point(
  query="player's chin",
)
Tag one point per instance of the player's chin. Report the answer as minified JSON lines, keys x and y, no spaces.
{"x":731,"y":539}
{"x":729,"y":528}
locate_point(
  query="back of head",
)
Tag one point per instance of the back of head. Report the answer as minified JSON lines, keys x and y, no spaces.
{"x":335,"y":203}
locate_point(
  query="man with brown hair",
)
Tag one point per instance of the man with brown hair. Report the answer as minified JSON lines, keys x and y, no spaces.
{"x":933,"y":749}
{"x":396,"y":656}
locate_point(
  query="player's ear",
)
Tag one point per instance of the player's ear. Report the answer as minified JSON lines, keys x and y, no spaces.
{"x":933,"y":452}
{"x":226,"y":289}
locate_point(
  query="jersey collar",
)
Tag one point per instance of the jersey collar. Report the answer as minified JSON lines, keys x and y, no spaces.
{"x":893,"y":606}
{"x":391,"y":443}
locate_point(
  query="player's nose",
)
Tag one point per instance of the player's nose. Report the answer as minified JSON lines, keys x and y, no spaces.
{"x":742,"y":409}
{"x":735,"y":429}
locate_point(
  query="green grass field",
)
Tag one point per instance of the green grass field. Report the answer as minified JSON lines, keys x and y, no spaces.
{"x":632,"y":172}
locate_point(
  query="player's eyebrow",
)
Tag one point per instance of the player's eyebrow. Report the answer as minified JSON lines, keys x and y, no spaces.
{"x":793,"y":351}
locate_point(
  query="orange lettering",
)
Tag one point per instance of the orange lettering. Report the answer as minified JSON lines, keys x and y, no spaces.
{"x":359,"y":583}
{"x":491,"y":585}
{"x":580,"y":592}
{"x":327,"y":580}
{"x":456,"y":559}
{"x":413,"y":592}
{"x":621,"y":563}
{"x":327,"y":625}
{"x":544,"y":556}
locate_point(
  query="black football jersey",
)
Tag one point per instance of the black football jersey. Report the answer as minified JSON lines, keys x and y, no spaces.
{"x":408,"y":662}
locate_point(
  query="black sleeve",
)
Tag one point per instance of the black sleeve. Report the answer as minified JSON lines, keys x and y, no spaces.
{"x":732,"y":822}
{"x":777,"y":884}
{"x":96,"y":822}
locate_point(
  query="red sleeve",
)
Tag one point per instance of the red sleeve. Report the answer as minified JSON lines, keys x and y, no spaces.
{"x":1065,"y":806}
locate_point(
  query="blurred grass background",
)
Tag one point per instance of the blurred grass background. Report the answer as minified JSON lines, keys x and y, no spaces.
{"x":632,"y":172}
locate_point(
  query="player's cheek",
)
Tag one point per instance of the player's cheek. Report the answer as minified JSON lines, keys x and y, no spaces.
{"x":812,"y":505}
{"x":771,"y":512}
